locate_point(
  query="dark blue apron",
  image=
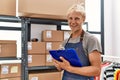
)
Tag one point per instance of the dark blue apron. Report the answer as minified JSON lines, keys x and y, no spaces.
{"x":84,"y":60}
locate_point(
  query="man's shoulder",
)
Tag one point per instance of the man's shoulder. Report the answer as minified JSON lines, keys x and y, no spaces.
{"x":89,"y":36}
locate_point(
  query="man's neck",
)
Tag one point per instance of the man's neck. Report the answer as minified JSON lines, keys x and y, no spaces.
{"x":77,"y":33}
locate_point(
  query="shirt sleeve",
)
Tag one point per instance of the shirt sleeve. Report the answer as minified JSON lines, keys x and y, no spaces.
{"x":93,"y":44}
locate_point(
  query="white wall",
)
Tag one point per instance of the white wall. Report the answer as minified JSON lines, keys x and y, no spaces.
{"x":116,"y":27}
{"x":108,"y":32}
{"x":111,"y":23}
{"x":93,"y":14}
{"x":112,"y":27}
{"x":36,"y":30}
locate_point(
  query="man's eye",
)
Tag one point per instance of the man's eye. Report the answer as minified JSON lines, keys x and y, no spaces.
{"x":77,"y":18}
{"x":70,"y":18}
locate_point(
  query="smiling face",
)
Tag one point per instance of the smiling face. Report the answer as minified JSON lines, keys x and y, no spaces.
{"x":75,"y":21}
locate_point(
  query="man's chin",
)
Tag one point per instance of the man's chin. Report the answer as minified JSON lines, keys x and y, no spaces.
{"x":75,"y":31}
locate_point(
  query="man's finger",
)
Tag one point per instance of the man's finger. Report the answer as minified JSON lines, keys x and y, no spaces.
{"x":63,"y":59}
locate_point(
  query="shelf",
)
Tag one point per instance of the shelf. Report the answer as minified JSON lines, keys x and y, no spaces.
{"x":42,"y":68}
{"x":11,"y":58}
{"x":10,"y":28}
{"x":5,"y":18}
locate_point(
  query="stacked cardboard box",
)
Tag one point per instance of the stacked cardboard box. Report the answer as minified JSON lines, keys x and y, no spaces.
{"x":53,"y":39}
{"x":52,"y":35}
{"x":8,"y":48}
{"x":8,"y":7}
{"x":10,"y":71}
{"x":51,"y":46}
{"x":15,"y":78}
{"x":36,"y":54}
{"x":45,"y":76}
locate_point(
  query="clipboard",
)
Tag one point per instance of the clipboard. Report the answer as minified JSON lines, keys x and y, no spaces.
{"x":68,"y":54}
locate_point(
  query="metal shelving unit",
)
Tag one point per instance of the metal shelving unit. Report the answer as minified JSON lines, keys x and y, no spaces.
{"x":9,"y":19}
{"x":26,"y":35}
{"x":12,"y":19}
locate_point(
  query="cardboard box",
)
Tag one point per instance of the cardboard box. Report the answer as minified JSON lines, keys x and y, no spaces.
{"x":34,"y":76}
{"x":52,"y":46}
{"x":10,"y":70}
{"x":8,"y":48}
{"x":15,"y":78}
{"x":52,"y":76}
{"x":36,"y":60}
{"x":54,"y":9}
{"x":52,"y":35}
{"x":36,"y":48}
{"x":48,"y":61}
{"x":8,"y":7}
{"x":45,"y":76}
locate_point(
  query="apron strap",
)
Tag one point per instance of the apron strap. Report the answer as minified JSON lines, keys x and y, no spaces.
{"x":82,"y":35}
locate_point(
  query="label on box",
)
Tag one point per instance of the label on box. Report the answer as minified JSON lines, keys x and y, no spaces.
{"x":48,"y":45}
{"x":49,"y":34}
{"x":29,"y":45}
{"x":34,"y":78}
{"x":5,"y":70}
{"x":49,"y":58}
{"x":29,"y":58}
{"x":14,"y":69}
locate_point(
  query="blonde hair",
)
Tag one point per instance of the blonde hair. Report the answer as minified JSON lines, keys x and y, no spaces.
{"x":77,"y":8}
